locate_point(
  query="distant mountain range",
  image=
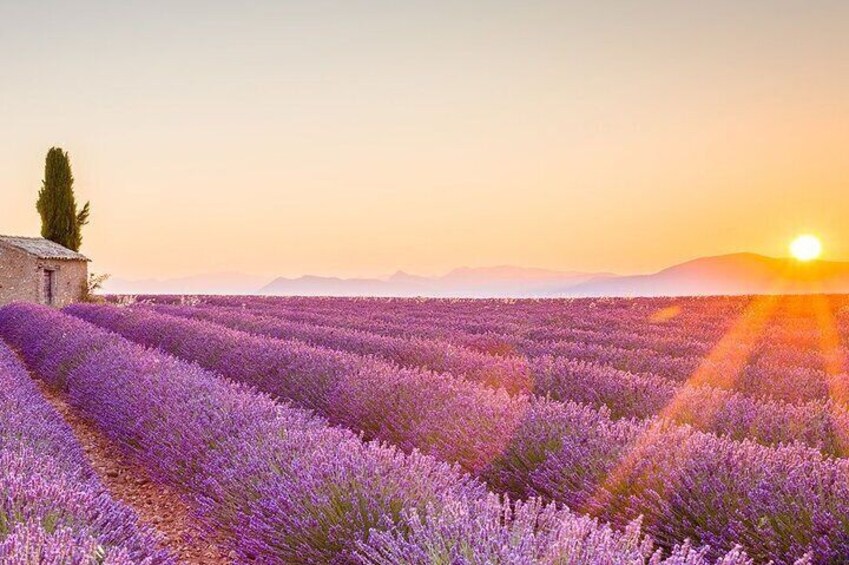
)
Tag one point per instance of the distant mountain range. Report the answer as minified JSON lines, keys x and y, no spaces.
{"x":216,"y":283}
{"x":481,"y":282}
{"x":740,"y":273}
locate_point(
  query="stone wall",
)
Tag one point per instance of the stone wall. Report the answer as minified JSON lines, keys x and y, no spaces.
{"x":21,"y":278}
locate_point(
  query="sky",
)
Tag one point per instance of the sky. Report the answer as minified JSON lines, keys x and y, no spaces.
{"x":357,"y":138}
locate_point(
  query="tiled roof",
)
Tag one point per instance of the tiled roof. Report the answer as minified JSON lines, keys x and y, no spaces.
{"x":42,"y":248}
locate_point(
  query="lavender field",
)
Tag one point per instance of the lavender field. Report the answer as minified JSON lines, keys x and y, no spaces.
{"x":383,"y":431}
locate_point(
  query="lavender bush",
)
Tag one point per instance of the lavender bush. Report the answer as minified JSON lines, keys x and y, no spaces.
{"x":687,"y":484}
{"x":53,"y":509}
{"x":280,"y":483}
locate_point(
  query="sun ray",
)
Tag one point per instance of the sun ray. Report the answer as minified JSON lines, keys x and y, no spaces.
{"x":832,"y":352}
{"x":720,"y":368}
{"x":834,"y":363}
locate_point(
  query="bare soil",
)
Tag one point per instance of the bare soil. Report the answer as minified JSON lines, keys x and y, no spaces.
{"x":157,"y":506}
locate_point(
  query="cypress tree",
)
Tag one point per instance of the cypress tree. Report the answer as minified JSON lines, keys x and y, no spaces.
{"x":60,"y":220}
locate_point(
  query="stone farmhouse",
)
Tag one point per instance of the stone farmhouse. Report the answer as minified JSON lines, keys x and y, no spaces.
{"x":33,"y":269}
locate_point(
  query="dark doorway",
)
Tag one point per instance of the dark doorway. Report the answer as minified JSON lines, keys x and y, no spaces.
{"x":48,"y":288}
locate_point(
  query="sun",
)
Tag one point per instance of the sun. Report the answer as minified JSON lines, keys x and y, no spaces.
{"x":806,"y":247}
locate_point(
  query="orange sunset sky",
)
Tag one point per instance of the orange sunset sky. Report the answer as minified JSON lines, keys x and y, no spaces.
{"x":358,"y":138}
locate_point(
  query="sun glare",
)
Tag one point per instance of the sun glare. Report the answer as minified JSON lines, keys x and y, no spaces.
{"x":806,"y":247}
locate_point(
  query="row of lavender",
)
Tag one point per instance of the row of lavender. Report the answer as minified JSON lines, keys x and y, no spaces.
{"x":688,"y":330}
{"x":775,"y":367}
{"x":820,"y":424}
{"x":682,"y":327}
{"x":780,"y":337}
{"x":685,"y":327}
{"x":282,"y":486}
{"x":53,"y":509}
{"x":558,"y":321}
{"x":441,"y":319}
{"x":685,"y":484}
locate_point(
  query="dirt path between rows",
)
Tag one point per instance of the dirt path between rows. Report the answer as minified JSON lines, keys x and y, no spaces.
{"x":157,"y":506}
